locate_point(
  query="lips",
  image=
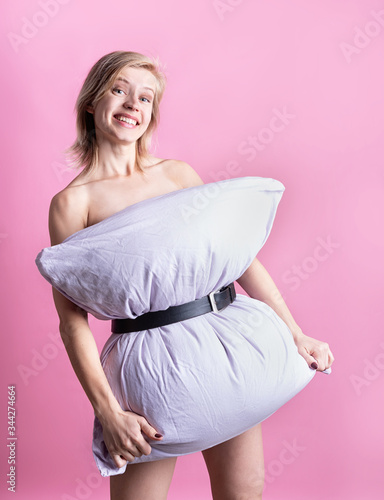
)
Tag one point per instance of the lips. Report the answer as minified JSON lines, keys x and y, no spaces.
{"x":126,"y":118}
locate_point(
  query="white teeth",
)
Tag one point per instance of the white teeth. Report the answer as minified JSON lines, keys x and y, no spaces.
{"x":127,"y":120}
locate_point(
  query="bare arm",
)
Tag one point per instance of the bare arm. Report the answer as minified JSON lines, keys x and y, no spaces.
{"x":84,"y":356}
{"x":259,"y":285}
{"x":122,"y":430}
{"x":79,"y":342}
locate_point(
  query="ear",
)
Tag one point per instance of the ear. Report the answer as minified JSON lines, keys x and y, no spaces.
{"x":90,"y":109}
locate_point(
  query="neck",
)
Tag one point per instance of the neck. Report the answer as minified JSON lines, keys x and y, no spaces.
{"x":116,"y":159}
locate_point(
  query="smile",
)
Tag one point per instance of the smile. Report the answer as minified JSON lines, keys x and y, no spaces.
{"x":129,"y":121}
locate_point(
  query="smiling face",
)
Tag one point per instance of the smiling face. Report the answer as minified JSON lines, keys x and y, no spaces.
{"x":124,"y":112}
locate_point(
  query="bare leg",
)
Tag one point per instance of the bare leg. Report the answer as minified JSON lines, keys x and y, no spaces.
{"x":145,"y":481}
{"x":236,"y":467}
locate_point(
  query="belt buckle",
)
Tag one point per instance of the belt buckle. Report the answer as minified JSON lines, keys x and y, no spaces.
{"x":212,"y":300}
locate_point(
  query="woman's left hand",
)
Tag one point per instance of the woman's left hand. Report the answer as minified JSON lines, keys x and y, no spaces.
{"x":316,"y":353}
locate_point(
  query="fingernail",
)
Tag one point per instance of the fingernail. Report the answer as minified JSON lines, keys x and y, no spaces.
{"x":314,"y":366}
{"x":158,"y":436}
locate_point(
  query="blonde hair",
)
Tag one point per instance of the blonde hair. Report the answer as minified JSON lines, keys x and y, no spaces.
{"x":84,"y":151}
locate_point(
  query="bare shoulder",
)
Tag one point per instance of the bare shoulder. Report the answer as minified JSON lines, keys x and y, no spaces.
{"x":68,"y":212}
{"x":182,"y":173}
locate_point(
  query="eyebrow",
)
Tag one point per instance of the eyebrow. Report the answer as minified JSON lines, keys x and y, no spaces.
{"x":126,"y":81}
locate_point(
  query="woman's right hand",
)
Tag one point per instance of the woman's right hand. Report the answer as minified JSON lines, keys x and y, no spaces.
{"x":123,"y":438}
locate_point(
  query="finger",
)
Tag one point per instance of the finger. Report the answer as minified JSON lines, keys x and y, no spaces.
{"x":331,"y":359}
{"x":314,"y":363}
{"x":321,"y":365}
{"x":126,"y":456}
{"x":329,"y":364}
{"x":135,"y":451}
{"x":150,"y":431}
{"x":311,"y":360}
{"x":139,"y":446}
{"x":119,"y":460}
{"x":317,"y":360}
{"x":324,"y":359}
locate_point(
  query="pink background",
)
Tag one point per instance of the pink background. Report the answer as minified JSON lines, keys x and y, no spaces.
{"x":230,"y":71}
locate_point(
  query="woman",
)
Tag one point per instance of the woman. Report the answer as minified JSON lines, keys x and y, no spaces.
{"x":117,"y":111}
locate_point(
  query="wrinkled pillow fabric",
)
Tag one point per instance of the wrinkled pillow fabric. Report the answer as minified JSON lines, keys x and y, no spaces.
{"x":200,"y":381}
{"x":164,"y":251}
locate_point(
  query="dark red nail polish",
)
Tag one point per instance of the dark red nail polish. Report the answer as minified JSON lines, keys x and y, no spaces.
{"x":314,"y":366}
{"x":158,"y":436}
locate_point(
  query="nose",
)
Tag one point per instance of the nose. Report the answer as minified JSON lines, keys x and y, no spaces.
{"x":131,"y":102}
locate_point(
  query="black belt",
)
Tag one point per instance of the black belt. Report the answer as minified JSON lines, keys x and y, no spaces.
{"x":214,"y":301}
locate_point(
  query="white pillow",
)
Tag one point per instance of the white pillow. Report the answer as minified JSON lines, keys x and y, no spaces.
{"x":166,"y":250}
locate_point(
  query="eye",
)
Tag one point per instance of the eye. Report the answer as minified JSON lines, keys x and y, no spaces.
{"x":117,"y":90}
{"x":146,"y":98}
